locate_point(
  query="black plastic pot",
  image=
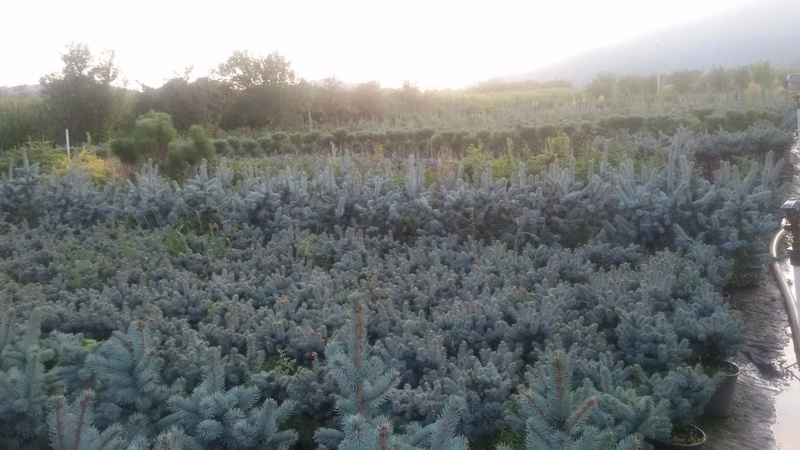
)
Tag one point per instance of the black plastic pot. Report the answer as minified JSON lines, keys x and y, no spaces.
{"x":663,"y":445}
{"x":719,"y":405}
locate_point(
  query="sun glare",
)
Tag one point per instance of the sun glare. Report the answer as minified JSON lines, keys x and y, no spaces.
{"x":443,"y":44}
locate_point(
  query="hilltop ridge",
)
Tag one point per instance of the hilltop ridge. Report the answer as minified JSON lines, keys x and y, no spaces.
{"x":764,"y":32}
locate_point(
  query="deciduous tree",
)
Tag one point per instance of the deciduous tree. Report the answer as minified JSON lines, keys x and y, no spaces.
{"x":82,"y":95}
{"x":719,"y":79}
{"x":243,"y":70}
{"x":685,"y":80}
{"x":202,"y":101}
{"x":603,"y":85}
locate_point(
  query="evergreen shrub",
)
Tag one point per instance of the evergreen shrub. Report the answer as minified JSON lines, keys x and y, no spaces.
{"x":603,"y":289}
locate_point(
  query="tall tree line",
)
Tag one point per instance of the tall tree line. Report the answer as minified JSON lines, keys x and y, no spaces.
{"x":255,"y":92}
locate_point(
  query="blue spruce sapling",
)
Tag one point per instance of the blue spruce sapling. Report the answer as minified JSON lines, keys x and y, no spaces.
{"x":217,"y":417}
{"x":130,"y":385}
{"x":364,"y":385}
{"x":26,"y":382}
{"x":71,"y":426}
{"x":557,"y":410}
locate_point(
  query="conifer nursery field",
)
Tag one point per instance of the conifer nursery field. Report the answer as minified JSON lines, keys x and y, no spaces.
{"x":366,"y":301}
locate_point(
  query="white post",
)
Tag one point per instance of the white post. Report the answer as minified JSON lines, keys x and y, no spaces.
{"x":66,"y":130}
{"x":798,"y":122}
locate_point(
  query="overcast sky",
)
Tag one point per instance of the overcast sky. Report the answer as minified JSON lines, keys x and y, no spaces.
{"x":434,"y":43}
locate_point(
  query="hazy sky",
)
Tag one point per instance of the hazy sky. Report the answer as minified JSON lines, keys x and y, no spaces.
{"x":434,"y":43}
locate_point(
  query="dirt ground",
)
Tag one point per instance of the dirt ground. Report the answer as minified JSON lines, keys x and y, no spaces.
{"x":750,"y":425}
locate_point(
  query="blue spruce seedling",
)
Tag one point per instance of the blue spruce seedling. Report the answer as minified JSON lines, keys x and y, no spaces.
{"x":364,"y":385}
{"x":557,"y":411}
{"x":25,"y":383}
{"x":217,"y":417}
{"x":130,"y":385}
{"x":72,"y":428}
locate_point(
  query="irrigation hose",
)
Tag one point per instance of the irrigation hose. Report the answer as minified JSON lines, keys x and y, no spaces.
{"x":788,"y":299}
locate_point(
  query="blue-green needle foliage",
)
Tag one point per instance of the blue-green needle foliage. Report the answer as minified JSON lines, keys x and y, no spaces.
{"x":558,"y":410}
{"x":72,"y":428}
{"x":363,"y":380}
{"x":128,"y":370}
{"x":364,"y":385}
{"x":468,"y":281}
{"x":26,"y":382}
{"x":217,"y":417}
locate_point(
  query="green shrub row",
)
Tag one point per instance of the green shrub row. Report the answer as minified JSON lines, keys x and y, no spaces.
{"x":428,"y":141}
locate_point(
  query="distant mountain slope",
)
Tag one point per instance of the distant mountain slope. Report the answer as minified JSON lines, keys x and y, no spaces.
{"x":768,"y":31}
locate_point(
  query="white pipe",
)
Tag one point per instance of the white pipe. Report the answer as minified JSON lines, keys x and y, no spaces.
{"x":788,"y":302}
{"x":796,"y":272}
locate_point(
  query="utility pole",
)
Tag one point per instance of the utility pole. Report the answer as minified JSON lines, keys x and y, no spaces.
{"x":658,"y":69}
{"x":793,"y":86}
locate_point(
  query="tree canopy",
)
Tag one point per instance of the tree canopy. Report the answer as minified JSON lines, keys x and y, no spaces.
{"x":202,"y":101}
{"x":243,"y":70}
{"x":82,"y":95}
